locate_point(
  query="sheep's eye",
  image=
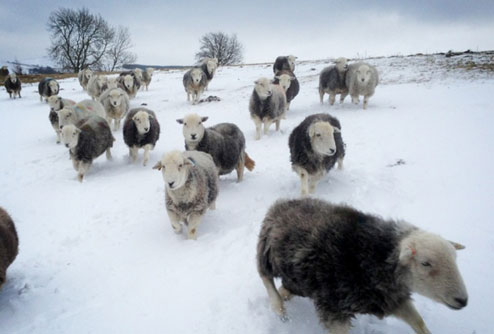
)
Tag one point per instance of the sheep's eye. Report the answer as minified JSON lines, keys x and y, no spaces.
{"x":426,"y":264}
{"x":185,"y":124}
{"x":199,"y":123}
{"x":180,"y":166}
{"x":74,"y":133}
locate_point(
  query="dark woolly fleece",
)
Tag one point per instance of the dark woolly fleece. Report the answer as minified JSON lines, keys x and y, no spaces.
{"x":53,"y":116}
{"x":280,"y":64}
{"x":301,"y":152}
{"x":263,"y":108}
{"x":9,"y":243}
{"x":332,"y":79}
{"x":294,"y":88}
{"x":204,"y":68}
{"x":94,"y":139}
{"x":131,"y":135}
{"x":12,"y":87}
{"x":44,"y":89}
{"x":343,"y":259}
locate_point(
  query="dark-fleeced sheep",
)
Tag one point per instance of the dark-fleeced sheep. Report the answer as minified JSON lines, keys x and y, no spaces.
{"x":9,"y":244}
{"x":315,"y":147}
{"x":225,"y":142}
{"x":48,"y":87}
{"x":195,"y":81}
{"x":141,"y":130}
{"x":208,"y":66}
{"x":130,"y":83}
{"x":289,"y":82}
{"x":332,"y":81}
{"x":87,"y":140}
{"x":351,"y":263}
{"x":13,"y":85}
{"x":284,"y":63}
{"x":361,"y":79}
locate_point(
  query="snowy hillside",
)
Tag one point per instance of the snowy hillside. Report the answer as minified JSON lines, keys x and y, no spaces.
{"x":101,"y":256}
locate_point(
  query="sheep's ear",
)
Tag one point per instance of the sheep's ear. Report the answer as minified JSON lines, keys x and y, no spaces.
{"x":336,"y":130}
{"x":77,"y":130}
{"x":256,"y":82}
{"x":407,"y":252}
{"x":158,"y":165}
{"x":180,"y":121}
{"x":190,"y":162}
{"x":312,"y":131}
{"x":204,"y":119}
{"x":457,"y":246}
{"x":277,"y":77}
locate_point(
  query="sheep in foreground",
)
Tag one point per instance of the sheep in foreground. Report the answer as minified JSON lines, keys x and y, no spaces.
{"x":350,"y":263}
{"x":141,"y":130}
{"x":9,"y":244}
{"x":83,"y":76}
{"x":267,"y":105}
{"x":13,"y":85}
{"x":129,"y":83}
{"x":315,"y":147}
{"x":147,"y":75}
{"x":96,"y":85}
{"x":87,"y":140}
{"x":209,"y":66}
{"x":195,"y":81}
{"x":191,"y":187}
{"x":225,"y":142}
{"x":116,"y":104}
{"x":57,"y":103}
{"x":289,"y":82}
{"x":84,"y":109}
{"x":332,"y":81}
{"x":48,"y":87}
{"x":361,"y":79}
{"x":284,"y":63}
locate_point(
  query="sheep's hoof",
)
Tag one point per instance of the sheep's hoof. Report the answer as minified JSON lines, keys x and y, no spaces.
{"x":80,"y":177}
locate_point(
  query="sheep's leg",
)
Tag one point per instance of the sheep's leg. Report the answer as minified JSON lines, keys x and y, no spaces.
{"x":117,"y":124}
{"x":288,"y":106}
{"x":340,"y":163}
{"x":284,"y":293}
{"x":321,"y":95}
{"x":313,"y":180}
{"x":267,"y":124}
{"x":41,"y":98}
{"x":366,"y":101}
{"x":355,"y":99}
{"x":408,"y":313}
{"x":194,"y":221}
{"x":83,"y":168}
{"x":174,"y":221}
{"x":188,"y":96}
{"x":338,"y":327}
{"x":75,"y":164}
{"x":343,"y":96}
{"x":258,"y":124}
{"x":274,"y":296}
{"x":108,"y":154}
{"x":133,"y":153}
{"x":278,"y":125}
{"x":304,"y":181}
{"x":147,"y":148}
{"x":240,"y":168}
{"x":332,"y":98}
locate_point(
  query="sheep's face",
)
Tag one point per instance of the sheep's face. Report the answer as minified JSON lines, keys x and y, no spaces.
{"x":70,"y":135}
{"x":55,"y":102}
{"x":128,"y":81}
{"x":13,"y":77}
{"x":284,"y":81}
{"x":141,"y":120}
{"x":150,"y":71}
{"x":196,"y":75}
{"x":263,"y":88}
{"x":174,"y":167}
{"x":53,"y":87}
{"x":363,"y":74}
{"x":291,"y":62}
{"x":432,"y":263}
{"x":211,"y":65}
{"x":115,"y":97}
{"x":112,"y":82}
{"x":100,"y":80}
{"x":341,"y":64}
{"x":193,"y":129}
{"x":138,"y":73}
{"x":66,"y":116}
{"x":322,"y":138}
{"x":88,"y":74}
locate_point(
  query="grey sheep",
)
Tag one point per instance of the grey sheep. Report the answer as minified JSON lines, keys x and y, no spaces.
{"x":332,"y":81}
{"x":267,"y":105}
{"x":87,"y":140}
{"x":129,"y":82}
{"x":96,"y":86}
{"x":141,"y":130}
{"x":191,"y":187}
{"x":350,"y":263}
{"x":225,"y":142}
{"x":209,"y":66}
{"x":9,"y":244}
{"x":116,"y":103}
{"x":315,"y":147}
{"x":361,"y":79}
{"x":83,"y":76}
{"x":48,"y":87}
{"x":195,"y":81}
{"x":56,"y":104}
{"x":284,"y":63}
{"x":13,"y":85}
{"x":289,"y":82}
{"x":147,"y":75}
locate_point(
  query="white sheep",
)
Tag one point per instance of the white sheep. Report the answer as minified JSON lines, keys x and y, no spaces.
{"x":95,"y":86}
{"x":83,"y":76}
{"x":116,"y":104}
{"x":84,"y":109}
{"x":361,"y":79}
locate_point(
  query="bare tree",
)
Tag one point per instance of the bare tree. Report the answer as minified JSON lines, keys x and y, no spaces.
{"x":79,"y":39}
{"x":226,"y":48}
{"x":118,"y":52}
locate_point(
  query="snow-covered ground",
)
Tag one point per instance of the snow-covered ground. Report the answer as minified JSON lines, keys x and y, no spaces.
{"x":101,"y":257}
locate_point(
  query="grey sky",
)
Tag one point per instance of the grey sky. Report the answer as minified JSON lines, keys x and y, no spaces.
{"x":167,"y":32}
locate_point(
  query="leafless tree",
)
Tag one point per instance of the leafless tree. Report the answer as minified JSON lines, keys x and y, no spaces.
{"x":226,"y":48}
{"x":79,"y":39}
{"x":119,"y":52}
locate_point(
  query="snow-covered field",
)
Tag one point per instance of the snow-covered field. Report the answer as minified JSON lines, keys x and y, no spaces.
{"x":101,"y":257}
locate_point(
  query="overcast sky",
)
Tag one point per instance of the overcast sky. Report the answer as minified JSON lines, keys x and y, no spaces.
{"x":167,"y":32}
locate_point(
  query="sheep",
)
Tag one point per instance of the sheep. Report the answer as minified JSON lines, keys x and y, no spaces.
{"x":361,"y":79}
{"x":84,"y":109}
{"x":13,"y":85}
{"x":116,"y":104}
{"x":315,"y":146}
{"x":284,"y":63}
{"x":129,"y":83}
{"x":195,"y":81}
{"x":209,"y":66}
{"x":267,"y":105}
{"x":109,"y":83}
{"x":191,"y":187}
{"x":141,"y":130}
{"x":147,"y":75}
{"x":225,"y":142}
{"x":9,"y":244}
{"x":48,"y":87}
{"x":96,"y":85}
{"x":57,"y":103}
{"x":87,"y":140}
{"x":289,"y":82}
{"x":350,"y":263}
{"x":332,"y":81}
{"x":139,"y":76}
{"x":83,"y":76}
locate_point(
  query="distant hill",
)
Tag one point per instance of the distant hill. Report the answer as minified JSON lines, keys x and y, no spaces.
{"x":158,"y":67}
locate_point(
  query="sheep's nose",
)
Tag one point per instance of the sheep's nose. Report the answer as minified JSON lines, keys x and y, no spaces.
{"x":462,"y":301}
{"x":362,"y":79}
{"x":67,"y":145}
{"x":193,"y":136}
{"x":331,"y":151}
{"x":146,"y":129}
{"x":171,"y":184}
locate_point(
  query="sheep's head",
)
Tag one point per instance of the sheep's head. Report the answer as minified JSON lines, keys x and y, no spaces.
{"x":115,"y":97}
{"x":363,"y":74}
{"x":55,"y":102}
{"x":175,"y":169}
{"x":70,"y":135}
{"x":341,"y":64}
{"x":141,"y":120}
{"x":321,"y":136}
{"x":128,"y":81}
{"x":193,"y":129}
{"x":13,"y":77}
{"x":53,"y":87}
{"x":111,"y":82}
{"x":138,"y":73}
{"x":196,"y":75}
{"x":291,"y":62}
{"x":211,"y":65}
{"x":150,"y":71}
{"x":284,"y":81}
{"x":263,"y":87}
{"x":88,"y":73}
{"x":432,"y":264}
{"x":100,"y":80}
{"x":66,"y":116}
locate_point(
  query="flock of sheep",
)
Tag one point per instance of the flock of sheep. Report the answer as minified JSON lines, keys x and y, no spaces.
{"x":346,"y":261}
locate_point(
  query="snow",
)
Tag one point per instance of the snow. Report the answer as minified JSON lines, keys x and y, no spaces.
{"x":101,"y":256}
